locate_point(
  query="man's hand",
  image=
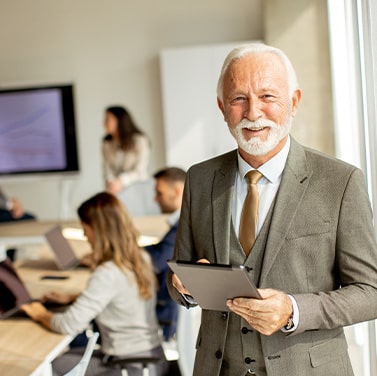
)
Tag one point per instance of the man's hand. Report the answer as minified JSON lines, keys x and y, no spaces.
{"x":267,"y":315}
{"x":17,"y":210}
{"x":176,"y":282}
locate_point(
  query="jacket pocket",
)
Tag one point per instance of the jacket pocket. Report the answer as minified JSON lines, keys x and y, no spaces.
{"x":308,"y":229}
{"x":327,"y":351}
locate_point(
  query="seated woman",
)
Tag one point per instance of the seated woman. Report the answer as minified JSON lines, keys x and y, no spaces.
{"x":120,"y":294}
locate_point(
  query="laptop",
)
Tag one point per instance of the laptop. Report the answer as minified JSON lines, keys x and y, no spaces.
{"x":13,"y":293}
{"x":65,"y":257}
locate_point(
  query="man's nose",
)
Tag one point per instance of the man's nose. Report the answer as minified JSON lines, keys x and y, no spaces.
{"x":253,"y":110}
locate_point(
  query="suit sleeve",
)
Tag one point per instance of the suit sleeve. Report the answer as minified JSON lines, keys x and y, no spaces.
{"x":184,"y":246}
{"x":355,"y":267}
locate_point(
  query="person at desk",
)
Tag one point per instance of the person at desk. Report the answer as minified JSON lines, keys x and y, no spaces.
{"x":11,"y":209}
{"x":169,"y":189}
{"x":125,"y":150}
{"x":309,"y":246}
{"x":120,"y":294}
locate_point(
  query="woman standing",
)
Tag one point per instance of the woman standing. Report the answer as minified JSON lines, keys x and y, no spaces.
{"x":125,"y":150}
{"x":120,"y":294}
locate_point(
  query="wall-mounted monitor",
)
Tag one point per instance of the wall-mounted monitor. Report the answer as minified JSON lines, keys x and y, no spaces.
{"x":37,"y":130}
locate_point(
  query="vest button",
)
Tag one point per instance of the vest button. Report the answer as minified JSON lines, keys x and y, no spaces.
{"x":224,"y":315}
{"x":218,"y":354}
{"x":250,"y":372}
{"x":245,"y":330}
{"x":249,"y":360}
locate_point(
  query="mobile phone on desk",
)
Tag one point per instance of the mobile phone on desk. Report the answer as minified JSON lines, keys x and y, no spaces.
{"x":55,"y":277}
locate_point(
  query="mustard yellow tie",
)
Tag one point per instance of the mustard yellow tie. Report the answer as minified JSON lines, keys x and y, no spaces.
{"x":249,"y":214}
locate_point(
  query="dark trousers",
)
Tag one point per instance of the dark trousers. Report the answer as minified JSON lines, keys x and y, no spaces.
{"x":6,"y":216}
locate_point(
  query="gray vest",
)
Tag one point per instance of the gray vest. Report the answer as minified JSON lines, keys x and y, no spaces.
{"x":243,"y":351}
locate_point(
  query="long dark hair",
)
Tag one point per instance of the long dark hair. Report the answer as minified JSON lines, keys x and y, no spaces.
{"x":115,"y":238}
{"x":127,"y":128}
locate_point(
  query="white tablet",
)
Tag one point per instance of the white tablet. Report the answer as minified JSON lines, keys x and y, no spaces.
{"x":212,"y":284}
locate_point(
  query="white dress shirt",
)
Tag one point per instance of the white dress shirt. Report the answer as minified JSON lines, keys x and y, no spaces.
{"x":267,"y":186}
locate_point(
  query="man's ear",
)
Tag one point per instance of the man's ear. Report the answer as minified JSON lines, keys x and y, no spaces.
{"x":221,"y":107}
{"x":296,"y":97}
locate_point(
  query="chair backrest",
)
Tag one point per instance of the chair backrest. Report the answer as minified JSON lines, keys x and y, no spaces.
{"x":80,"y":368}
{"x":139,"y":198}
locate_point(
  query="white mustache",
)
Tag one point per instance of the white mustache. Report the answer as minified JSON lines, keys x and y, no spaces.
{"x":256,"y":125}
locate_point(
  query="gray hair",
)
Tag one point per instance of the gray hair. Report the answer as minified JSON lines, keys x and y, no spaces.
{"x":254,"y":49}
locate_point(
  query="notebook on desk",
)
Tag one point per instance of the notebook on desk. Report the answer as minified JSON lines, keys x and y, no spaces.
{"x":13,"y":292}
{"x":64,"y":254}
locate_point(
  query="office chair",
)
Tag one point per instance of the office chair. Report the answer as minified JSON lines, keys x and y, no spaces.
{"x":126,"y":364}
{"x":80,"y":368}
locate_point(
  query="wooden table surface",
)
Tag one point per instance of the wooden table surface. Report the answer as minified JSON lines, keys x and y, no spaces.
{"x":26,"y":348}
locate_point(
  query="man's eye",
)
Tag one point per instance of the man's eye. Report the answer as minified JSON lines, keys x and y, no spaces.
{"x":238,"y":100}
{"x":267,"y":96}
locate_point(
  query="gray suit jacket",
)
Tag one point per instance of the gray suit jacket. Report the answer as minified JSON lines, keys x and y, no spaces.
{"x":321,"y":249}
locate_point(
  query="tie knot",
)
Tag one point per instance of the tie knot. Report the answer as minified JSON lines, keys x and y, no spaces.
{"x":253,"y":176}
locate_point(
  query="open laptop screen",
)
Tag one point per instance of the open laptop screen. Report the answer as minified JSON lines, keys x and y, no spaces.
{"x":65,"y":257}
{"x":13,"y":292}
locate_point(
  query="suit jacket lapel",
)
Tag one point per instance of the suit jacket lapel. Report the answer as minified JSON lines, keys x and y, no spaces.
{"x":294,"y":182}
{"x":222,"y":193}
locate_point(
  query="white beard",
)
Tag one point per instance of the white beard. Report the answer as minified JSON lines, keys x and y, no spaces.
{"x":255,"y":146}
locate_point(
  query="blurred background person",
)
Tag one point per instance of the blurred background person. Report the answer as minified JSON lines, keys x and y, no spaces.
{"x":125,"y":150}
{"x":11,"y":209}
{"x":169,"y":183}
{"x":120,"y":294}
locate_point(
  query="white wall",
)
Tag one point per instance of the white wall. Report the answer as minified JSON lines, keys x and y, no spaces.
{"x":197,"y":131}
{"x":353,"y":27}
{"x":110,"y":51}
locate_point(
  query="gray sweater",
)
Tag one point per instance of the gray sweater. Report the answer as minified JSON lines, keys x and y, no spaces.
{"x":127,"y":322}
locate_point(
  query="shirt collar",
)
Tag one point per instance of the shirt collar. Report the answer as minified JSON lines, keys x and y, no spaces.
{"x":272,"y":169}
{"x":174,"y":217}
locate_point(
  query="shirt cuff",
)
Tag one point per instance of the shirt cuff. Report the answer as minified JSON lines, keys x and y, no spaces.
{"x":295,"y":316}
{"x":9,"y":205}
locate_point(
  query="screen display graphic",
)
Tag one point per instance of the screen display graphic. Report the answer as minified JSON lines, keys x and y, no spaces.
{"x":37,"y":131}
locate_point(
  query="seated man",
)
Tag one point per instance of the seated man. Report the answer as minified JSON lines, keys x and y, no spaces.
{"x":11,"y":209}
{"x":169,"y":189}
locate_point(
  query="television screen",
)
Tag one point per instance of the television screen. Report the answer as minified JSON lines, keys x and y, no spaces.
{"x":37,"y":130}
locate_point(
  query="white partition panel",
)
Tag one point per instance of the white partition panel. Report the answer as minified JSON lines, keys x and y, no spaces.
{"x":194,"y":127}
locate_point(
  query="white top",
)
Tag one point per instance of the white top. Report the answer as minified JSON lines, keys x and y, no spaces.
{"x":130,"y":166}
{"x":126,"y":321}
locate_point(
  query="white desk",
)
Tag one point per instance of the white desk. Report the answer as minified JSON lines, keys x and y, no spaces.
{"x":31,"y":232}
